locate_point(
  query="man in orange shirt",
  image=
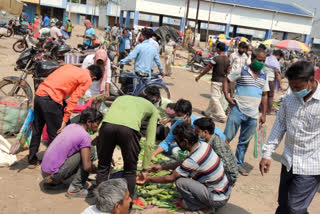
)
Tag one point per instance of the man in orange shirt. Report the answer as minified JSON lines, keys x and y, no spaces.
{"x":49,"y":107}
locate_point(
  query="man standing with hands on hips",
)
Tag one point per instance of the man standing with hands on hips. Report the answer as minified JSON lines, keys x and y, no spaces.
{"x":299,"y":119}
{"x":251,"y":90}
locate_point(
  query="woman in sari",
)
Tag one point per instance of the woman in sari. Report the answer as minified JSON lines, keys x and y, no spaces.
{"x":36,"y":27}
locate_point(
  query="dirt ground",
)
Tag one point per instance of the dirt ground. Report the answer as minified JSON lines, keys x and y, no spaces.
{"x":21,"y":189}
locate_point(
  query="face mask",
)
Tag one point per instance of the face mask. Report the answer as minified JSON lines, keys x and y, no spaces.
{"x":201,"y":139}
{"x":140,"y":40}
{"x":167,"y":40}
{"x":302,"y":93}
{"x":240,"y":52}
{"x":257,"y":66}
{"x":90,"y":132}
{"x":179,"y":119}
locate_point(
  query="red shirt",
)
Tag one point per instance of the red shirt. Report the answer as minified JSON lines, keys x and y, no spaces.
{"x":317,"y":74}
{"x":66,"y":80}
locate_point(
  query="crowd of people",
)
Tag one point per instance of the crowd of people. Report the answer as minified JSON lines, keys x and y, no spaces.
{"x":205,"y":169}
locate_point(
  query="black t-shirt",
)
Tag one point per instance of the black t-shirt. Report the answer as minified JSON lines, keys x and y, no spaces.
{"x":219,"y":66}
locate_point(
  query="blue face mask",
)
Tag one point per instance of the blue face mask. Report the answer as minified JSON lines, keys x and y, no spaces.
{"x":179,"y":119}
{"x":302,"y":93}
{"x":201,"y":139}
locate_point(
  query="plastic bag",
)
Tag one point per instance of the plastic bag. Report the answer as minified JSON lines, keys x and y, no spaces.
{"x":259,"y":139}
{"x":5,"y":158}
{"x":24,"y":137}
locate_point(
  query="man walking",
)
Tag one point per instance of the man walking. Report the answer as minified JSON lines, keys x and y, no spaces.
{"x":252,"y":87}
{"x":299,"y":119}
{"x":219,"y":65}
{"x":67,"y":81}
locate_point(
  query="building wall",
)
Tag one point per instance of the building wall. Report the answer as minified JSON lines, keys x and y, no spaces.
{"x":54,"y":3}
{"x":82,"y":8}
{"x":229,"y":14}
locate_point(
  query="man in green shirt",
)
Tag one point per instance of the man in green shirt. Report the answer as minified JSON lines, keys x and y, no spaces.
{"x":121,"y":126}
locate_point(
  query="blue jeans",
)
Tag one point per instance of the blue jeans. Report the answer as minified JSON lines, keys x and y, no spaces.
{"x":248,"y":128}
{"x":172,"y":151}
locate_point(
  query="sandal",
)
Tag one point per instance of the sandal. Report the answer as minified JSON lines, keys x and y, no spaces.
{"x":83,"y":193}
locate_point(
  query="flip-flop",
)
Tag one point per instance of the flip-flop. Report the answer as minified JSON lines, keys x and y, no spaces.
{"x":83,"y":193}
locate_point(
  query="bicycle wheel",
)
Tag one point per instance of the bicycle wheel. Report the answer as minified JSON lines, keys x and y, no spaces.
{"x":164,"y":90}
{"x":20,"y":92}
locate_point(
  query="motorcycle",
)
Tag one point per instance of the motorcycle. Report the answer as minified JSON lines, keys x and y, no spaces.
{"x":198,"y":62}
{"x":28,"y":41}
{"x":16,"y":29}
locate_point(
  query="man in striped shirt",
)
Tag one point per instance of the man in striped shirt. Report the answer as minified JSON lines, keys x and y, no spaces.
{"x":299,"y":119}
{"x":252,"y":87}
{"x":200,"y":178}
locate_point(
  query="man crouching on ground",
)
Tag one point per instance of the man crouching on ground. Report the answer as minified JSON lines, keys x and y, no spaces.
{"x":200,"y":178}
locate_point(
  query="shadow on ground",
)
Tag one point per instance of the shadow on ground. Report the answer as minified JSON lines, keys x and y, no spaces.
{"x":207,"y":96}
{"x":232,"y":209}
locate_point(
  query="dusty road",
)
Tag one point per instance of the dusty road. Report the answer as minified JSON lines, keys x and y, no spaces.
{"x":21,"y":190}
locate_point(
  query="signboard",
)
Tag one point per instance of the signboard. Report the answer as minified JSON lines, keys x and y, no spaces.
{"x":54,"y":3}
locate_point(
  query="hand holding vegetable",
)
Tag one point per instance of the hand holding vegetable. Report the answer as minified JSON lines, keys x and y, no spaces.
{"x":154,"y":168}
{"x":141,"y":179}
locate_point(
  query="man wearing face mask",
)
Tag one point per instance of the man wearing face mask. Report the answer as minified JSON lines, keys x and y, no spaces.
{"x":183,"y":111}
{"x":251,"y":90}
{"x":299,"y":119}
{"x":237,"y":61}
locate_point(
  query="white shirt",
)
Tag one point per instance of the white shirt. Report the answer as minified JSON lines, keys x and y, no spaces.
{"x":300,"y":121}
{"x":237,"y":61}
{"x":92,"y":210}
{"x":95,"y":85}
{"x":114,"y":31}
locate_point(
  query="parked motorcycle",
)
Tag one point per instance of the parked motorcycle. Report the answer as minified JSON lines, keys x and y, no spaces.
{"x":15,"y":28}
{"x":28,"y":41}
{"x":198,"y":62}
{"x":4,"y":30}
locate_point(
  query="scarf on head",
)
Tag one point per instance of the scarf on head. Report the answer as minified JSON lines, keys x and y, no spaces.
{"x":87,"y":23}
{"x":102,"y":55}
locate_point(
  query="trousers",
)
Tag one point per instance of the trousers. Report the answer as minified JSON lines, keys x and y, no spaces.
{"x":72,"y":168}
{"x":248,"y":126}
{"x":197,"y":195}
{"x":46,"y":111}
{"x":296,"y":192}
{"x":215,"y":108}
{"x":111,"y":135}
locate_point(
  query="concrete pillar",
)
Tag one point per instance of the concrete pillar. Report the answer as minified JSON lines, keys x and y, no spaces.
{"x":227,"y":29}
{"x":285,"y":36}
{"x":121,"y":19}
{"x":307,"y":39}
{"x":269,"y":35}
{"x":161,"y":21}
{"x":183,"y":20}
{"x":78,"y":18}
{"x":128,"y":19}
{"x":107,"y":21}
{"x":136,"y":19}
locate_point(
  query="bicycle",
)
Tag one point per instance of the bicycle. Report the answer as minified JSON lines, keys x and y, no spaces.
{"x":126,"y":80}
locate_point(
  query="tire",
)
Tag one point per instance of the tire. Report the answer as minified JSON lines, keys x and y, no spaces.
{"x":10,"y":83}
{"x":164,"y":91}
{"x":195,"y":69}
{"x":9,"y":33}
{"x":19,"y":46}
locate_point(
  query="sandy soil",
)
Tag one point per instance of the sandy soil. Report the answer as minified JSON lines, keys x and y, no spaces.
{"x":21,"y":189}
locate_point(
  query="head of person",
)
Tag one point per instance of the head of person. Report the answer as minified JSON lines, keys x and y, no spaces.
{"x":91,"y":118}
{"x":186,"y":136}
{"x":249,"y":50}
{"x":221,"y":47}
{"x":189,"y":27}
{"x":262,"y":46}
{"x":278,"y":54}
{"x":124,"y":32}
{"x":257,"y":60}
{"x":242,"y":48}
{"x":145,"y":34}
{"x":101,"y":58}
{"x":170,"y":110}
{"x":301,"y":78}
{"x":154,"y":93}
{"x":95,"y":72}
{"x":168,"y":37}
{"x":87,"y":24}
{"x":58,"y":24}
{"x":204,"y":128}
{"x":112,"y":196}
{"x":183,"y":110}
